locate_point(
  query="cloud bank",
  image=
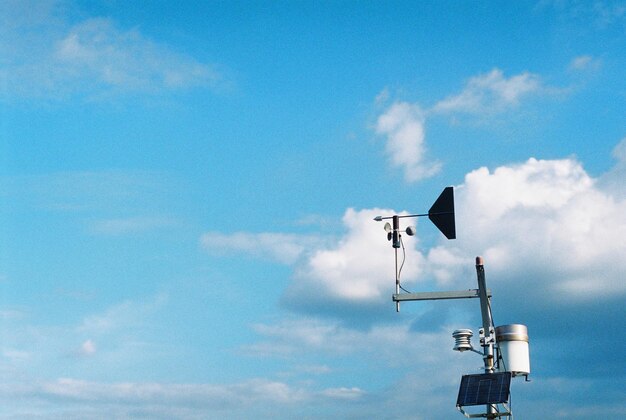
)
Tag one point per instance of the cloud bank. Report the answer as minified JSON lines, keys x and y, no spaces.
{"x":544,"y":224}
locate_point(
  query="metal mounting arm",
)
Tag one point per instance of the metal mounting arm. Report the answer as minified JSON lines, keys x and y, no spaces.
{"x":461,"y":294}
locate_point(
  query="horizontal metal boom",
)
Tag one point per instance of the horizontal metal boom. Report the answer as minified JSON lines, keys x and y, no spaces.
{"x":461,"y":294}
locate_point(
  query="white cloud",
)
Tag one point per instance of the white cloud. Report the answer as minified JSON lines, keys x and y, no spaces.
{"x":619,"y":151}
{"x":47,"y":57}
{"x":613,"y":180}
{"x":585,"y":62}
{"x":382,"y":97}
{"x":344,"y":393}
{"x":544,"y":223}
{"x":128,"y":314}
{"x":403,"y":126}
{"x":545,"y":217}
{"x":234,"y":395}
{"x":355,"y":269}
{"x":254,"y":397}
{"x":97,"y":49}
{"x":393,"y":347}
{"x":299,"y":337}
{"x":88,"y":348}
{"x":491,"y":93}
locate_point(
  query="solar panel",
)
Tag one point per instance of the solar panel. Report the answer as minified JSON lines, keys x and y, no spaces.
{"x":485,"y":388}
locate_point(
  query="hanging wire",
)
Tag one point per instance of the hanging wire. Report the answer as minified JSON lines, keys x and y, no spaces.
{"x":402,"y":265}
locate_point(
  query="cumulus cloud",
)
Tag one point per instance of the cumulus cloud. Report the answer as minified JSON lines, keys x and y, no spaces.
{"x":544,"y":224}
{"x":355,"y":269}
{"x":403,"y":126}
{"x":491,"y":93}
{"x":541,"y":225}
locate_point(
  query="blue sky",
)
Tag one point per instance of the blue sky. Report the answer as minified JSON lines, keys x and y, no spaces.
{"x":188,"y":191}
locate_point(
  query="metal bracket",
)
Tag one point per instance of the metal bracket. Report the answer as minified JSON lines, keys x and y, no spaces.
{"x":484,"y":415}
{"x":487,"y":340}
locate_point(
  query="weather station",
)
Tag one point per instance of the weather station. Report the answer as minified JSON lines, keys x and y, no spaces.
{"x":505,"y":348}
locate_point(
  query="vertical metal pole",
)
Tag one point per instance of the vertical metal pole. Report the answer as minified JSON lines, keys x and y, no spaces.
{"x":396,"y":245}
{"x":397,"y":281}
{"x":486,"y":315}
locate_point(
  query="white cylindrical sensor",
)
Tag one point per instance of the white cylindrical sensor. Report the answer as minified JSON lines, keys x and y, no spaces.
{"x":513,"y":344}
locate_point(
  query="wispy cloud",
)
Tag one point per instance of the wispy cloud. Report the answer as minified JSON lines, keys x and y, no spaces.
{"x":88,"y":399}
{"x":416,"y":355}
{"x":108,"y":201}
{"x":344,"y":393}
{"x":491,"y":93}
{"x":125,"y":315}
{"x":585,"y":15}
{"x":85,"y":190}
{"x":93,"y":58}
{"x":130,"y":225}
{"x":164,"y":394}
{"x":613,"y":181}
{"x":281,"y":247}
{"x":297,"y":337}
{"x":585,"y":63}
{"x":96,"y":49}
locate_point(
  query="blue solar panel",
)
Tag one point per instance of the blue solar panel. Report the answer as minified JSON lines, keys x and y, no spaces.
{"x":485,"y":388}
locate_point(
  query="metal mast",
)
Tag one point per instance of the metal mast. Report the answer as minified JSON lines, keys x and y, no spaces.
{"x":512,"y":339}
